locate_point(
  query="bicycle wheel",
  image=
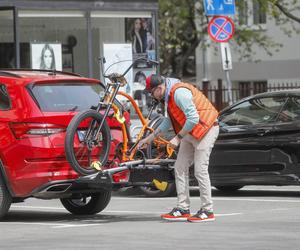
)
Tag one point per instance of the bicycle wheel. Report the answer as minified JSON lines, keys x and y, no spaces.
{"x":82,"y":149}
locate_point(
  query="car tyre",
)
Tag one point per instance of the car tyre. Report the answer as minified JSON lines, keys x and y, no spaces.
{"x":154,"y":192}
{"x":5,"y":198}
{"x":229,"y":188}
{"x":87,"y":204}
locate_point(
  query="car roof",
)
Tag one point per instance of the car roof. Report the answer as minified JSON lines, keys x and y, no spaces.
{"x":32,"y":75}
{"x":286,"y":92}
{"x":277,"y":93}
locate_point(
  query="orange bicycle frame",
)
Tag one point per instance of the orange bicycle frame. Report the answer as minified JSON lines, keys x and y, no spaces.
{"x":145,"y":122}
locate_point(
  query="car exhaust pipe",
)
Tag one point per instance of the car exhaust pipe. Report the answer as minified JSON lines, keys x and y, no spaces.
{"x":54,"y":191}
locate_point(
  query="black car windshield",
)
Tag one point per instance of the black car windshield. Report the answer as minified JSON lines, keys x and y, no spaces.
{"x":67,"y":96}
{"x":254,"y":111}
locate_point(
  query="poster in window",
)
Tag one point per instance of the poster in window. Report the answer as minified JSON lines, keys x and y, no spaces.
{"x":139,"y":32}
{"x":47,"y":56}
{"x":118,"y":58}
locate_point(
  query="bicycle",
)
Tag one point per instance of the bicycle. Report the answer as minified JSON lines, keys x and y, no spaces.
{"x":88,"y":138}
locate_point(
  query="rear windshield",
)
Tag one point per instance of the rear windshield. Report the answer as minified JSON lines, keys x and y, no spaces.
{"x":67,"y":96}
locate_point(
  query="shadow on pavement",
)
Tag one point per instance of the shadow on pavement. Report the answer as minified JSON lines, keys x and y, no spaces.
{"x":61,"y":218}
{"x":135,"y":192}
{"x":132,"y":192}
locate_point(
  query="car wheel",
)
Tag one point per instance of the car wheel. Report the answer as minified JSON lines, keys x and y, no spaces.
{"x":228,"y":188}
{"x":5,"y":199}
{"x":87,"y":204}
{"x":154,"y":192}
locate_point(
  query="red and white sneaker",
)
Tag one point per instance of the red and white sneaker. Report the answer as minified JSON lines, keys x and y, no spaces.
{"x":202,"y":216}
{"x":177,"y":214}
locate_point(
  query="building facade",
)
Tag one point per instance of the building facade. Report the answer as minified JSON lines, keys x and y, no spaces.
{"x":265,"y":71}
{"x":78,"y":32}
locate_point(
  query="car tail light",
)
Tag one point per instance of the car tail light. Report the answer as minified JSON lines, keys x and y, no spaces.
{"x":122,"y":176}
{"x":23,"y":130}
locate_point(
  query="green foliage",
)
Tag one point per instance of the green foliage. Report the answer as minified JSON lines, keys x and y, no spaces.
{"x":183,"y":27}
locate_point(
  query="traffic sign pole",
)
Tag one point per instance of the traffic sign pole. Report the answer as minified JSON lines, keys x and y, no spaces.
{"x":227,"y":65}
{"x":226,"y":56}
{"x":221,"y":29}
{"x":229,"y":87}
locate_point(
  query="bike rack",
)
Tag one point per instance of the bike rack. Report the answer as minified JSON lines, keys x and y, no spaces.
{"x":148,"y":172}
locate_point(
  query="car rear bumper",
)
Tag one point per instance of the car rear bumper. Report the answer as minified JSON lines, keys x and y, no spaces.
{"x":138,"y":175}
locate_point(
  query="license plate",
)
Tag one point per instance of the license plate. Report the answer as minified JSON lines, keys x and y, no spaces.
{"x":81,"y":134}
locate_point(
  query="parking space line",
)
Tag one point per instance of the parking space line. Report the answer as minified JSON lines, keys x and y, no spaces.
{"x":232,"y":214}
{"x":36,"y":223}
{"x":78,"y":225}
{"x":255,"y":200}
{"x":38,"y":207}
{"x":214,"y":198}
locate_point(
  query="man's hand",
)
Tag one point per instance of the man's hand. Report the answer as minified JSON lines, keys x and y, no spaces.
{"x":174,"y":143}
{"x":145,"y":142}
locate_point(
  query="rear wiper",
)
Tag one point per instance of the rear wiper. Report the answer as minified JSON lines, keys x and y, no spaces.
{"x":74,"y":108}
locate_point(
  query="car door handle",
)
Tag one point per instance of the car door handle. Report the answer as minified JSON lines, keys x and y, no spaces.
{"x":262,"y":132}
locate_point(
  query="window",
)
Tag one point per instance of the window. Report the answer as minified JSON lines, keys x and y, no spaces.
{"x":65,"y":32}
{"x":243,"y":13}
{"x":4,"y":98}
{"x":251,"y":13}
{"x":66,"y":97}
{"x":7,"y":49}
{"x":259,"y":14}
{"x":123,"y":37}
{"x":254,"y":111}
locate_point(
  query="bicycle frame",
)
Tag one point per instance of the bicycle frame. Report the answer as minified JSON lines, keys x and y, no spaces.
{"x":129,"y":154}
{"x":111,"y":91}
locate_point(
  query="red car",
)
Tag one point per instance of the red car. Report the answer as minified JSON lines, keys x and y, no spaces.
{"x":35,"y":109}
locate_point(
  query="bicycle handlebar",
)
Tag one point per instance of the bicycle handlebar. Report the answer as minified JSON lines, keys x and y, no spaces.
{"x":131,"y":65}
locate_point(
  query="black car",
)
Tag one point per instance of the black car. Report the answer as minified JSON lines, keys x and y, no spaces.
{"x":259,"y":142}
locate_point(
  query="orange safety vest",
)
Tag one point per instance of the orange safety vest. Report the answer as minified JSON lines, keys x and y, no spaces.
{"x":207,"y":112}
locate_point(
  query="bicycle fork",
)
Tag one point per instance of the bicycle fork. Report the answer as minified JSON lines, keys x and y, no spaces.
{"x":92,"y":136}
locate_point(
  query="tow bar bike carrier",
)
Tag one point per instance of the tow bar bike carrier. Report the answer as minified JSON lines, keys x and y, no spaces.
{"x":148,"y":172}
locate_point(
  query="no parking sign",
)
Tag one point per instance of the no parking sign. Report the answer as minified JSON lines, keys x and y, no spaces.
{"x":221,"y":29}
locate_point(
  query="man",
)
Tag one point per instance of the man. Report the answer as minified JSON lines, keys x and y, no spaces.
{"x":194,"y":120}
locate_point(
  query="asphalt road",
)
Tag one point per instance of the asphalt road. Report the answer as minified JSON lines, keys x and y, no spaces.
{"x":252,"y":218}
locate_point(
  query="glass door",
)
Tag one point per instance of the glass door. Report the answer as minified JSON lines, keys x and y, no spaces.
{"x":8,"y":49}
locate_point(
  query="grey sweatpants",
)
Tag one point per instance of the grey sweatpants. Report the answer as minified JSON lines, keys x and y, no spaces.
{"x":197,"y":151}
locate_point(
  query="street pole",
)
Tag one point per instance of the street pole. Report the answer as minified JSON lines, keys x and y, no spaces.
{"x":221,"y":29}
{"x":227,"y":65}
{"x":229,"y":87}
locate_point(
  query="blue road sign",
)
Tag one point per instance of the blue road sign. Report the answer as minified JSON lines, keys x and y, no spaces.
{"x":221,"y":29}
{"x":219,"y":7}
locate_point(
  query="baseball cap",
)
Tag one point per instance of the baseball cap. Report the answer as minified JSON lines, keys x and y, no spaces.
{"x":153,"y":81}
